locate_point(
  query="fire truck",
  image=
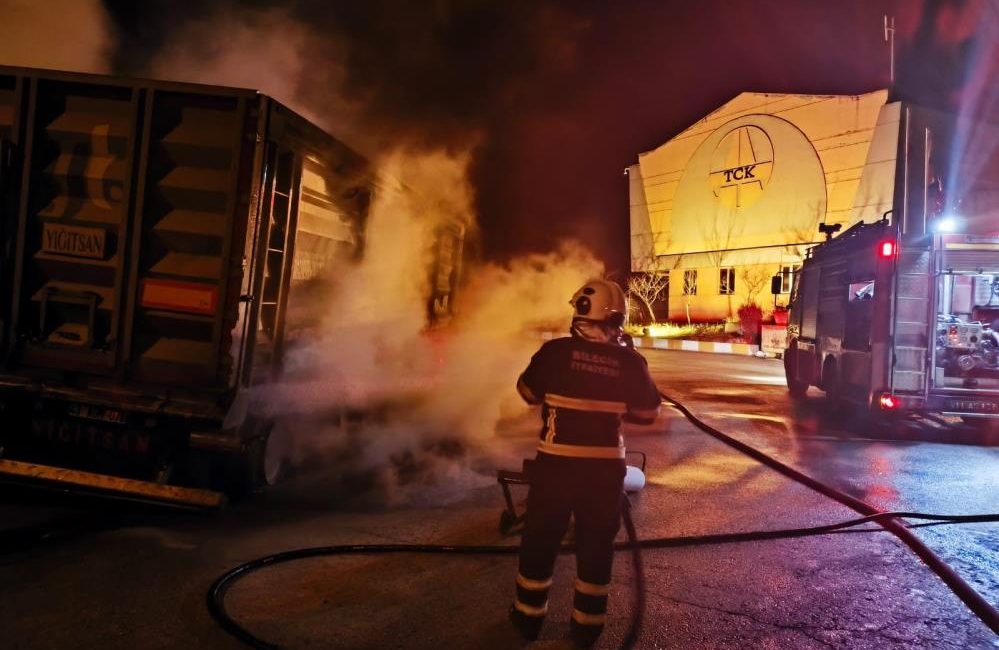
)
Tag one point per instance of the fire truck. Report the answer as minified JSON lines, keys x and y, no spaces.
{"x":898,"y":324}
{"x":901,"y":314}
{"x":152,"y":235}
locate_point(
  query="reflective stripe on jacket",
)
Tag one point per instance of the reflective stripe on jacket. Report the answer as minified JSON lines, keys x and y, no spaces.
{"x":585,"y":389}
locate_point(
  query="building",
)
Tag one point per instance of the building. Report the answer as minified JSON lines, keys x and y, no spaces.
{"x":739,"y":196}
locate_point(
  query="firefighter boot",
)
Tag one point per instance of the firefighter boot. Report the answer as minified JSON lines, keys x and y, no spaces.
{"x":589,"y":613}
{"x":528,"y":626}
{"x":584,"y":636}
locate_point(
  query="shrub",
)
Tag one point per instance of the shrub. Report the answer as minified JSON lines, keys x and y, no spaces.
{"x":750,"y":318}
{"x":699,"y":331}
{"x":631,"y":329}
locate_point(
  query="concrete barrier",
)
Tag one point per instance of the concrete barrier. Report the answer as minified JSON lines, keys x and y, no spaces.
{"x":715,"y":347}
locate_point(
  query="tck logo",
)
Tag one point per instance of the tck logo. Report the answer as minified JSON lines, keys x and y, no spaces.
{"x":741,"y":166}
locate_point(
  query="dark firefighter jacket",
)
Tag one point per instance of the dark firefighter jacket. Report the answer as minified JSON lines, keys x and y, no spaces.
{"x":586,"y":388}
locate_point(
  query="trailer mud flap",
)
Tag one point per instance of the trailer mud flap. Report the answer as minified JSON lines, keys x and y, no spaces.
{"x":32,"y":473}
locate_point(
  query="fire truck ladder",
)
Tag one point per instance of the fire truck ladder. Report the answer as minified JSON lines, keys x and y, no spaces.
{"x":911,"y":320}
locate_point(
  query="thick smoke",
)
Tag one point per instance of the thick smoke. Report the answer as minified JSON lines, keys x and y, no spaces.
{"x":56,"y":34}
{"x":380,"y":74}
{"x":431,"y":402}
{"x":373,"y":390}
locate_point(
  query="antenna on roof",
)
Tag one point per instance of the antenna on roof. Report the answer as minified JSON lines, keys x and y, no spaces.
{"x":890,"y":39}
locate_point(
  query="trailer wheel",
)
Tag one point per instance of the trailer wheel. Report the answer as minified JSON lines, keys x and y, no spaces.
{"x":262,"y":464}
{"x":276,"y":455}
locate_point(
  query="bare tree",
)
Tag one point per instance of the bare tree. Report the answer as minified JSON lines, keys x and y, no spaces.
{"x":754,"y":278}
{"x":799,"y":237}
{"x":689,"y":289}
{"x":647,"y":288}
{"x":651,"y":269}
{"x":719,"y":231}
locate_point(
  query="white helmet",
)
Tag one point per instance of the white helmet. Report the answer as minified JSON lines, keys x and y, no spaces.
{"x":600,"y":301}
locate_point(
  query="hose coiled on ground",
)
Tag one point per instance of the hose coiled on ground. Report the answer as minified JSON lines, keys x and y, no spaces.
{"x":891,"y":521}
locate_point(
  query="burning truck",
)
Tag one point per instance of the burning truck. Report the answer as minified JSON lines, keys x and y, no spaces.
{"x":152,"y":236}
{"x":902,"y":314}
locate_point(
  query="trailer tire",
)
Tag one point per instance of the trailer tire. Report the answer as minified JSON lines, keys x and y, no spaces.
{"x":262,"y":464}
{"x":276,"y":455}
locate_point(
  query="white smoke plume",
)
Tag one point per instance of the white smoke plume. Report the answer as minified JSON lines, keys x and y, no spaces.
{"x":432,"y":400}
{"x":266,"y":50}
{"x":504,"y":309}
{"x":373,"y":390}
{"x":56,"y":34}
{"x":370,"y":346}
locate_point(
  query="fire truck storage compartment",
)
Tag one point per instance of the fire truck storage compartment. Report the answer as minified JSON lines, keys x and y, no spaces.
{"x":913,"y":294}
{"x":966,"y":340}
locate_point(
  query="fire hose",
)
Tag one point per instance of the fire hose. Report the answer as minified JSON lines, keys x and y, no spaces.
{"x":890,"y":521}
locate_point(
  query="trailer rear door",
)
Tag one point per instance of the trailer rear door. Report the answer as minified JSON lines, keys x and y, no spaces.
{"x":124,"y":217}
{"x":73,"y":224}
{"x":185,"y":222}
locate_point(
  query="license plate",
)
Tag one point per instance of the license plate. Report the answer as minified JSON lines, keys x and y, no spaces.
{"x":972,"y":406}
{"x":98,"y":413}
{"x":90,"y":435}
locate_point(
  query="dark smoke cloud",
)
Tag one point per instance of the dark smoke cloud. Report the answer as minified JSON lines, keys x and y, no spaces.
{"x":426,"y":74}
{"x":555,"y":97}
{"x":950,"y":59}
{"x":384,"y":74}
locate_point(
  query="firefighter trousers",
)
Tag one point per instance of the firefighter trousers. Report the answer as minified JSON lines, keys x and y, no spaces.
{"x":589,"y":489}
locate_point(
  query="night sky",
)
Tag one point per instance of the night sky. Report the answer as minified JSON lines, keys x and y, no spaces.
{"x":560,"y":96}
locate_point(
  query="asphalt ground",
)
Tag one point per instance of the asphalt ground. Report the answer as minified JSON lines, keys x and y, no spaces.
{"x":139,"y":579}
{"x":912,"y":464}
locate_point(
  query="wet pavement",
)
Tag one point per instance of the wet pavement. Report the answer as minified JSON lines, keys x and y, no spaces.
{"x":891,"y":465}
{"x":141,"y":581}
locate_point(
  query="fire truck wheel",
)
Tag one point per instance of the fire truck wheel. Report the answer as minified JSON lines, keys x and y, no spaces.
{"x":796,"y":389}
{"x":832,"y":386}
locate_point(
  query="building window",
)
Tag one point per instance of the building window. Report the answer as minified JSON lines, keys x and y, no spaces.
{"x":726,"y":281}
{"x":787,"y":277}
{"x":690,"y":283}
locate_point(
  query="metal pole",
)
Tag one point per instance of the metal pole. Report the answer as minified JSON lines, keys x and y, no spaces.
{"x":926,"y":176}
{"x":889,"y":24}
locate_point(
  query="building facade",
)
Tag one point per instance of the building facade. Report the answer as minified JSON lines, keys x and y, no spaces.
{"x":738,"y":197}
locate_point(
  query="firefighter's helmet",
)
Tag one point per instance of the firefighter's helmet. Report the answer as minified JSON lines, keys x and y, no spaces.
{"x":600,"y":301}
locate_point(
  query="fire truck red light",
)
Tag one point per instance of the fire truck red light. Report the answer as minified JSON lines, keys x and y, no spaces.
{"x":889,"y":402}
{"x":887,"y":249}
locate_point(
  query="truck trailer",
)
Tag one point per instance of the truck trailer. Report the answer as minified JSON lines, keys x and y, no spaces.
{"x":152,"y":233}
{"x":902,"y":314}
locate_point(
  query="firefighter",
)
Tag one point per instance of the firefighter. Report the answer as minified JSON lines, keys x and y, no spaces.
{"x":586,"y":383}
